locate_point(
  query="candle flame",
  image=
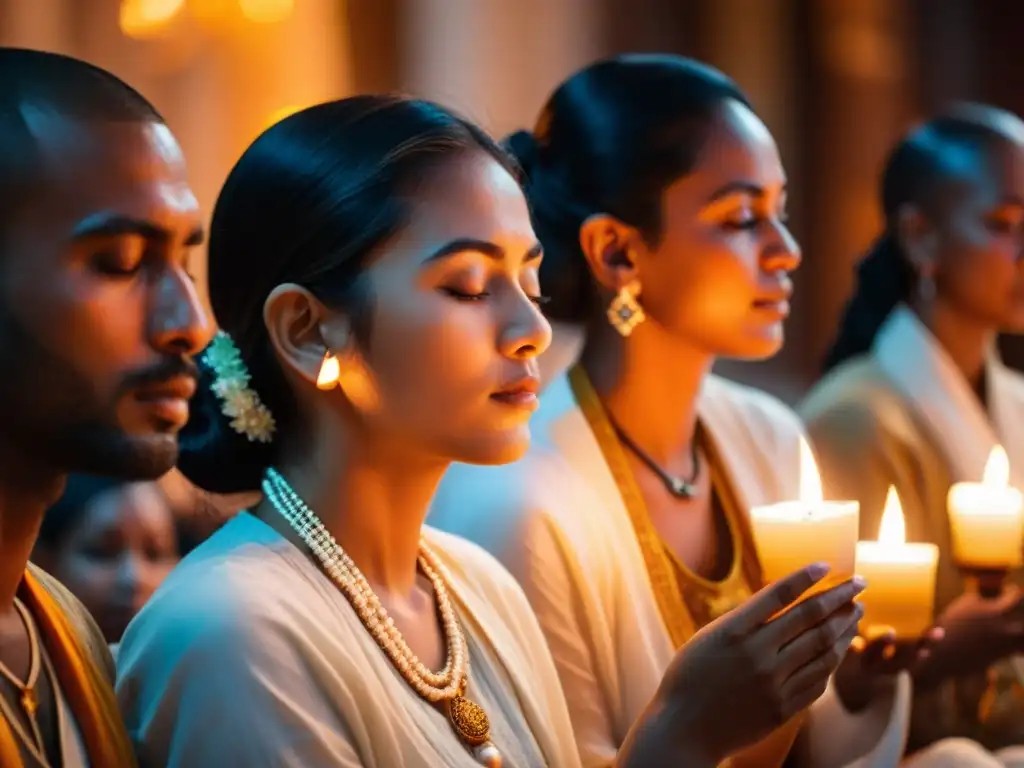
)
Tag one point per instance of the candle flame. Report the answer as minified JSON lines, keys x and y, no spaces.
{"x":997,"y":469}
{"x":892,"y":529}
{"x":810,"y":480}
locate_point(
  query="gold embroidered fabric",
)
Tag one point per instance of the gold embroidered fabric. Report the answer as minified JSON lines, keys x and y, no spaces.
{"x":686,"y":600}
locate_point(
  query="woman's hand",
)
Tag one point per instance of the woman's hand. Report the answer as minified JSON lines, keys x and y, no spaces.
{"x":871,"y":666}
{"x":978,"y":632}
{"x":747,"y":673}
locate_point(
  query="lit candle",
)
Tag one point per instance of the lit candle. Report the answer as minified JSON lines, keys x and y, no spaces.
{"x":986,"y":518}
{"x":794,"y":534}
{"x":900,"y":595}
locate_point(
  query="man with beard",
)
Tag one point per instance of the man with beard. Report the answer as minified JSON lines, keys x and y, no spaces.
{"x":99,"y":319}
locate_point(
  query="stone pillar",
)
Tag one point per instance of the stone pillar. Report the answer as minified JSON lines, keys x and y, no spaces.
{"x":496,"y":61}
{"x":862,"y":97}
{"x":41,"y":24}
{"x":220,"y":81}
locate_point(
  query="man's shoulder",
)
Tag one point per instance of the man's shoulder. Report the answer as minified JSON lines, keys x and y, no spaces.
{"x":81,"y":623}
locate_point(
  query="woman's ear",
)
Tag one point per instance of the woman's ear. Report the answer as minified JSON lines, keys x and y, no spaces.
{"x":295,"y":319}
{"x":319,"y":346}
{"x":609,"y":247}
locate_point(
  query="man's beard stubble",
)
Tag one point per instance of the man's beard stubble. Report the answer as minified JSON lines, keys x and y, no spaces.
{"x":51,"y":415}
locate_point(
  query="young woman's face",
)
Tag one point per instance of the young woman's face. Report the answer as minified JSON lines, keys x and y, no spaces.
{"x":115,"y":556}
{"x":980,"y":240}
{"x":455,"y":326}
{"x":719,"y":277}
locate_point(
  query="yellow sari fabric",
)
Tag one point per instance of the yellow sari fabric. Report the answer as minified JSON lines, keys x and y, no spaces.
{"x":667,"y":577}
{"x":78,"y":668}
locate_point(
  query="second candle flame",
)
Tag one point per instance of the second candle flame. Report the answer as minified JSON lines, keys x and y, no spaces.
{"x":997,"y":469}
{"x":810,"y":479}
{"x":892,"y":529}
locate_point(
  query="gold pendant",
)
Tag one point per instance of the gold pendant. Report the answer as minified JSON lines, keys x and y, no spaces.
{"x":29,"y":702}
{"x":470,"y":721}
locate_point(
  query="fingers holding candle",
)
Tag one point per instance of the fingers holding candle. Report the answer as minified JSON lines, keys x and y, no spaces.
{"x":873,"y":664}
{"x":811,"y":679}
{"x":889,"y":654}
{"x":829,"y":612}
{"x":776,"y":598}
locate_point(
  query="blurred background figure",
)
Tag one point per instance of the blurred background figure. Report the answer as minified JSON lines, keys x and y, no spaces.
{"x":835,"y":81}
{"x":111,"y":543}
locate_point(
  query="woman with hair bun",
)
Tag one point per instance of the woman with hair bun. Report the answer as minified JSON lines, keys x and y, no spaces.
{"x":916,"y":397}
{"x":660,"y":199}
{"x":374,"y":272}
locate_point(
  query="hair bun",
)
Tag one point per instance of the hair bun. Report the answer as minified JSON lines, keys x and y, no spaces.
{"x":211,"y":454}
{"x":523,"y":146}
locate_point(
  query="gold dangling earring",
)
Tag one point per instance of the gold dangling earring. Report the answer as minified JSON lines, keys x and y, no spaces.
{"x":330,"y":372}
{"x":624,"y":313}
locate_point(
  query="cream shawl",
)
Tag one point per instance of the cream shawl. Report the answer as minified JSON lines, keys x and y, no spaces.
{"x":903,"y":415}
{"x":557,"y":520}
{"x":942,"y":399}
{"x":249,"y":655}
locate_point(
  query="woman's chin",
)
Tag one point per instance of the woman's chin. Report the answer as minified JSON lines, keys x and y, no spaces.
{"x":500,"y":447}
{"x":760,"y":345}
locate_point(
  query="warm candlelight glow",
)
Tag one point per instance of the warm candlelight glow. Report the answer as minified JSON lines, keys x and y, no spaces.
{"x":810,"y":478}
{"x":901,"y":577}
{"x":997,"y":469}
{"x":266,"y":11}
{"x":892,"y":530}
{"x":987,"y":518}
{"x":281,"y":113}
{"x":793,"y":534}
{"x":213,"y":15}
{"x":147,"y":18}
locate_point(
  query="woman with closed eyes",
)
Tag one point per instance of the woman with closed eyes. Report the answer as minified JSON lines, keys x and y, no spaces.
{"x":375,"y":275}
{"x":916,"y":398}
{"x":660,"y":199}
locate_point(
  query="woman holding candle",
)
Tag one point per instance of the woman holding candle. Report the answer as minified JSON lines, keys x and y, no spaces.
{"x":660,"y":200}
{"x":374,"y":271}
{"x":916,"y":398}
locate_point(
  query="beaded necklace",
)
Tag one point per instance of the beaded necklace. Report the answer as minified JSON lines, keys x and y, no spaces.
{"x":446,"y":688}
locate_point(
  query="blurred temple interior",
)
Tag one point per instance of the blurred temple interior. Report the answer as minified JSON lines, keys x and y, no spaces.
{"x":624,"y":555}
{"x":836,"y":81}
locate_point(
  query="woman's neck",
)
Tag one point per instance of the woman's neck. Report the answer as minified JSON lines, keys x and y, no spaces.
{"x":967,"y":343}
{"x":649,"y":383}
{"x":371,"y":495}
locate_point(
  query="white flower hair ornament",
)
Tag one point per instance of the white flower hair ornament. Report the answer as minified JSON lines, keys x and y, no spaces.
{"x":239,"y":402}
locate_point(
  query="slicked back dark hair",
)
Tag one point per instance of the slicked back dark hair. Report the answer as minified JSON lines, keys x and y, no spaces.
{"x":310,"y":202}
{"x":611,"y":139}
{"x":917,"y":167}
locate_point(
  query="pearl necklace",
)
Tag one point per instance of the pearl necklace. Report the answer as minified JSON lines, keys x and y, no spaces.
{"x":445,"y":688}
